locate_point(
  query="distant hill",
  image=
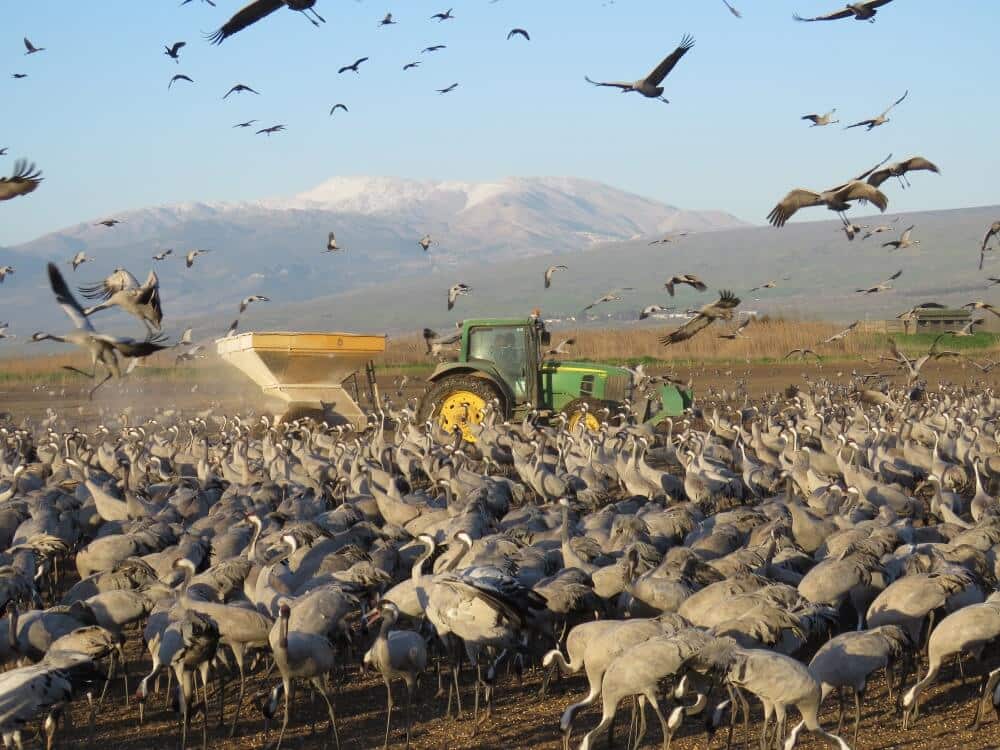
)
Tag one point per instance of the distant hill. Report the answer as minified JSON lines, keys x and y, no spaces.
{"x":822,"y":266}
{"x":497,"y":237}
{"x":274,"y":246}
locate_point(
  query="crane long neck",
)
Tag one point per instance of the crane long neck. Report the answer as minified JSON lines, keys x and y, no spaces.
{"x":12,"y":630}
{"x":458,"y":558}
{"x":185,"y":583}
{"x":418,"y":564}
{"x":283,"y":632}
{"x":388,"y":621}
{"x":252,"y":551}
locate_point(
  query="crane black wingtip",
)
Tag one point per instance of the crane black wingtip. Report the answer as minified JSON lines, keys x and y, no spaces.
{"x":58,"y":283}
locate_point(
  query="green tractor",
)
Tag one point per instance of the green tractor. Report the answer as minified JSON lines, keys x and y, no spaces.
{"x":500,"y":361}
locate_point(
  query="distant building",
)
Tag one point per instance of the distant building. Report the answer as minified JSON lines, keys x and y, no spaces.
{"x":930,"y":318}
{"x":937,"y":320}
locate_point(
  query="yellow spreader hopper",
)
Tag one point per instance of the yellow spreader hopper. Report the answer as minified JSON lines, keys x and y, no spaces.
{"x":306,"y":371}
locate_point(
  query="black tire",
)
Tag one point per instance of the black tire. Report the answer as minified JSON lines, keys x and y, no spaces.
{"x":593,"y":406}
{"x":438,"y":392}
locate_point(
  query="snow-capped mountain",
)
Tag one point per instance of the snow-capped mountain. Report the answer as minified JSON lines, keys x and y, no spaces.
{"x":274,"y":245}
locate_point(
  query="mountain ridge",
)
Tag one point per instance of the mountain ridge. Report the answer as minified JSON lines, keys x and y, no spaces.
{"x":383,"y":281}
{"x":409,"y":200}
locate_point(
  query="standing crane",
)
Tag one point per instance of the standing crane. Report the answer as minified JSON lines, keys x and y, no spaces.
{"x":401,"y":654}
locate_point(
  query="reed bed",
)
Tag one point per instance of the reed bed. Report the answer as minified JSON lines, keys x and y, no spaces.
{"x":767,"y":340}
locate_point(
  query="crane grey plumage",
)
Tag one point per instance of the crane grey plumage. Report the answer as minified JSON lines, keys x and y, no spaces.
{"x":836,"y":199}
{"x":173,"y":51}
{"x":991,"y":232}
{"x":302,"y":654}
{"x":179,"y":77}
{"x":483,"y":607}
{"x":880,"y":119}
{"x":650,"y":86}
{"x":400,"y":654}
{"x":721,"y":309}
{"x":909,"y":601}
{"x":25,"y":179}
{"x":550,"y":272}
{"x":685,"y":278}
{"x":354,"y":66}
{"x":240,"y":629}
{"x":102,"y":348}
{"x":819,"y":121}
{"x":259,"y":9}
{"x":900,"y":169}
{"x":27,"y":692}
{"x":199,"y":642}
{"x":247,"y":301}
{"x":859,"y":11}
{"x":640,"y":670}
{"x":456,"y":291}
{"x":904,"y":240}
{"x":968,"y":630}
{"x":849,"y":660}
{"x":882,"y":286}
{"x":777,"y":680}
{"x":121,"y":289}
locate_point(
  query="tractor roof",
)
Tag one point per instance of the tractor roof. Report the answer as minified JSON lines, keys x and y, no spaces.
{"x":472,"y":322}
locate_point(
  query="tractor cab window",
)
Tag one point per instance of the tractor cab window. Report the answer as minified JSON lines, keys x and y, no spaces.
{"x":506,"y":347}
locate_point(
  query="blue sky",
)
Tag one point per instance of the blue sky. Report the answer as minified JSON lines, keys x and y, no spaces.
{"x":96,"y":115}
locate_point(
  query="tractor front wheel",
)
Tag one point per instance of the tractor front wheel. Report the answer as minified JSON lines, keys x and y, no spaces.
{"x":459,"y":402}
{"x":586,"y":411}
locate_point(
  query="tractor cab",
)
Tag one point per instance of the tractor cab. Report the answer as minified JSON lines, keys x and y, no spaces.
{"x":500,"y":366}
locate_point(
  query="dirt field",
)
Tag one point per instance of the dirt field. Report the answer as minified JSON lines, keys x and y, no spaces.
{"x":521,"y":720}
{"x":226,"y":392}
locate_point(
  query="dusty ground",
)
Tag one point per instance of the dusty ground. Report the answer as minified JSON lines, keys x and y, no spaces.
{"x":229,"y":393}
{"x":520,"y":720}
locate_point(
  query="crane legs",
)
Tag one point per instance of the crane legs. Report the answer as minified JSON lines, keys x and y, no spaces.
{"x":454,"y":652}
{"x":989,"y":685}
{"x":183,"y":696}
{"x":187,"y":693}
{"x":94,"y":389}
{"x":388,"y":710}
{"x":410,"y":684}
{"x":239,"y":654}
{"x":284,"y":720}
{"x":321,"y":686}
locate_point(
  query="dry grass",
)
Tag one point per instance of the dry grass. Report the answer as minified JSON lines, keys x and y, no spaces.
{"x":45,"y":367}
{"x":768,"y":340}
{"x":50,"y":368}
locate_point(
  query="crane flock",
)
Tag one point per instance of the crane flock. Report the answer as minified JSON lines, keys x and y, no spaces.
{"x":767,"y":551}
{"x":793,"y":547}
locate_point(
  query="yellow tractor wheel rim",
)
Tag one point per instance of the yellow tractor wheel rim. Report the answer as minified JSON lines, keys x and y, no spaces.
{"x":461,"y":409}
{"x":590,"y":422}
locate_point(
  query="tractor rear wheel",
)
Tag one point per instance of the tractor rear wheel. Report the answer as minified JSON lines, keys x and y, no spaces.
{"x":459,"y":402}
{"x":586,"y":411}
